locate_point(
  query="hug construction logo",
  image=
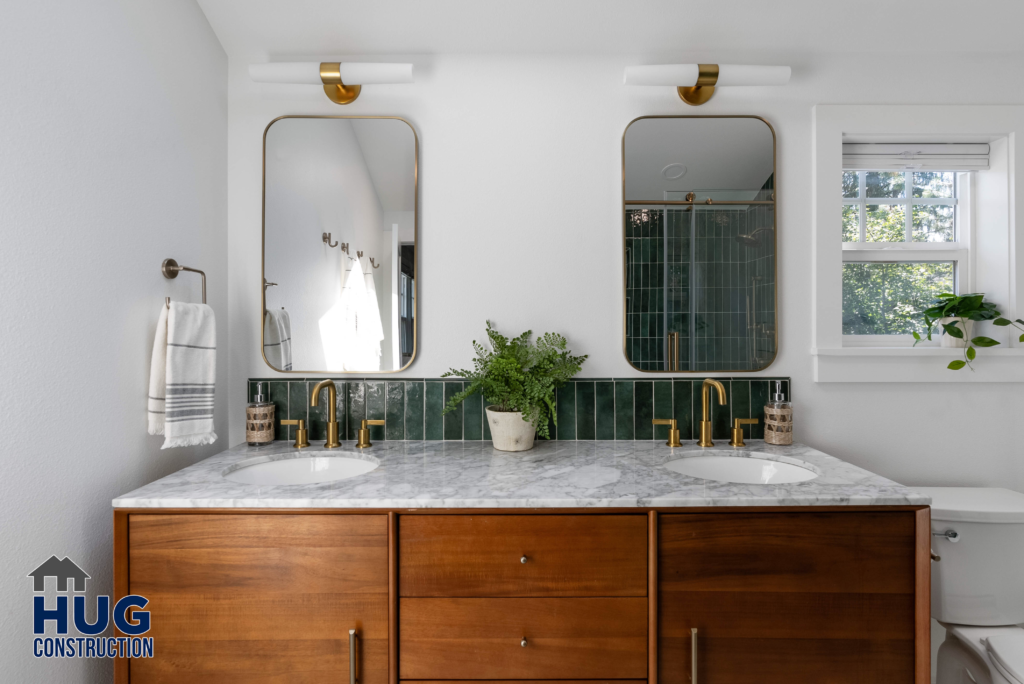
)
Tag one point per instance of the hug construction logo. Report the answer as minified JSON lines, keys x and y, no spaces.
{"x":71,"y":581}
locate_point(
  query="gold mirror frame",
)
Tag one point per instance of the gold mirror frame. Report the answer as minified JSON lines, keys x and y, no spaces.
{"x":775,"y":239}
{"x":415,"y":236}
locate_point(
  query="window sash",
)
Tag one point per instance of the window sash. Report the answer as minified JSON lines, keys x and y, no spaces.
{"x":863,"y":201}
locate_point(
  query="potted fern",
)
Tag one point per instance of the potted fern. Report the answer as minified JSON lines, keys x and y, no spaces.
{"x":518,"y":378}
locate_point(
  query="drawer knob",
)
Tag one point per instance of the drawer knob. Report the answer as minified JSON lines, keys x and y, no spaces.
{"x":523,"y":642}
{"x":523,"y":560}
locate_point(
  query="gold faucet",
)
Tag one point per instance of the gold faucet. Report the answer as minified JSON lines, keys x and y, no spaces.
{"x":364,"y":433}
{"x":737,"y":430}
{"x":705,"y":422}
{"x":673,"y":431}
{"x":332,"y":411}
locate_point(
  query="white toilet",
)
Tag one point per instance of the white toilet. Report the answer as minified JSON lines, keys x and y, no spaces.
{"x":978,"y":583}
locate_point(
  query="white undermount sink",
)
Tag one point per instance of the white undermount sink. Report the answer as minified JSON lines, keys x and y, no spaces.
{"x":299,"y":470}
{"x":751,"y":468}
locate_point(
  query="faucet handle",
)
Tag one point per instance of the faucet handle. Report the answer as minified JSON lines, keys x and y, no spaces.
{"x":737,"y":430}
{"x":301,"y":433}
{"x":673,"y":430}
{"x":364,"y":433}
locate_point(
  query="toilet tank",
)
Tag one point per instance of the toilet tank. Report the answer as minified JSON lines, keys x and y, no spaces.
{"x":980,"y":577}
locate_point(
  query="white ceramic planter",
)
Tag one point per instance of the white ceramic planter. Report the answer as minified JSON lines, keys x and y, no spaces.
{"x":950,"y":341}
{"x":509,"y":432}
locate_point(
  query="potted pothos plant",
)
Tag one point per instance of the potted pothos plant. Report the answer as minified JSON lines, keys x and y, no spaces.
{"x":518,"y":378}
{"x":956,"y":315}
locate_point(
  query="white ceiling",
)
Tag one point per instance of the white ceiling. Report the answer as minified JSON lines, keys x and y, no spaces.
{"x":262,"y":29}
{"x":718,"y":154}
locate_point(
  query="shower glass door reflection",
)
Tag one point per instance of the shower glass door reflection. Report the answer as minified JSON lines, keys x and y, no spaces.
{"x":700,"y":287}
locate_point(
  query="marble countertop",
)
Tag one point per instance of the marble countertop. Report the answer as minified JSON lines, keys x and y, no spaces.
{"x":552,"y":475}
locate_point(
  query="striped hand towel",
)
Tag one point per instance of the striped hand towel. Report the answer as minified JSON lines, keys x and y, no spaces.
{"x":182,"y":375}
{"x":277,"y":339}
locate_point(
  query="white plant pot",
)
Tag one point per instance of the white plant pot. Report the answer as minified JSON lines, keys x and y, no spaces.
{"x":950,"y":341}
{"x":509,"y":432}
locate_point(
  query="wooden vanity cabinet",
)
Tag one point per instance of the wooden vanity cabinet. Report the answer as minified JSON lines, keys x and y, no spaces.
{"x":816,"y":596}
{"x":777,"y":598}
{"x":260,"y":597}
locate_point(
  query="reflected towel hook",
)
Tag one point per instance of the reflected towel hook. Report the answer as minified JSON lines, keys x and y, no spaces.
{"x":266,"y":284}
{"x":344,"y":247}
{"x":327,"y":240}
{"x":171,"y":269}
{"x":373,"y":264}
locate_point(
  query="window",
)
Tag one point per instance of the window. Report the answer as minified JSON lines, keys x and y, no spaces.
{"x":904,"y":242}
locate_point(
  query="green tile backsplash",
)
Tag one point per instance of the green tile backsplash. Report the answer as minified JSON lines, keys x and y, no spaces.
{"x":587,"y":408}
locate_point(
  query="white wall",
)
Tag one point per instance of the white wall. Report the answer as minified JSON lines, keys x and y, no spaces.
{"x":520,"y":196}
{"x":113,"y":120}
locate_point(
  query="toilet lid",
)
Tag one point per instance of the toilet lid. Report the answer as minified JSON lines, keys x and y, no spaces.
{"x":1008,"y":652}
{"x":975,"y":504}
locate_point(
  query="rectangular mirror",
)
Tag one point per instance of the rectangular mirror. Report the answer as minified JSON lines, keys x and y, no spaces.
{"x":339,"y":244}
{"x":699,"y":244}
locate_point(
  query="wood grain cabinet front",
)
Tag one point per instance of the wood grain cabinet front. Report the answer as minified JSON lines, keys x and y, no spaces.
{"x":261,"y":598}
{"x":777,"y":598}
{"x":523,"y":638}
{"x":522,"y":555}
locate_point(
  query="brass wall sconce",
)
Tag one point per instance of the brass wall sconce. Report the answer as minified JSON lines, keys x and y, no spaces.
{"x":339,"y":79}
{"x":696,"y":83}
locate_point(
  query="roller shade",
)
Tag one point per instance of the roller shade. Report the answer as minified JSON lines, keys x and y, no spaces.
{"x":913,"y":156}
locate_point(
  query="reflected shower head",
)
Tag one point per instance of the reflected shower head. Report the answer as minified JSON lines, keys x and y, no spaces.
{"x":750,"y":240}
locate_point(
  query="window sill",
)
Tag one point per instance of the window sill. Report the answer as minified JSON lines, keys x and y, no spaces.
{"x":921,"y":364}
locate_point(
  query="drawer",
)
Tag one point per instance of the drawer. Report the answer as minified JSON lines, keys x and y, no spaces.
{"x":566,"y":638}
{"x":482,"y":555}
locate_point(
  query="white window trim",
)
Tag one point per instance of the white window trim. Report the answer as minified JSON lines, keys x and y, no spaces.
{"x":1001,"y":278}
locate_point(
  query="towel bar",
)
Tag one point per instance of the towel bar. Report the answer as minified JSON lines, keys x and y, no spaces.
{"x":171,"y":269}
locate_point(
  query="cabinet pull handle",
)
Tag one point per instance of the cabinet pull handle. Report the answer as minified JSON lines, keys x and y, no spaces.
{"x":352,"y":656}
{"x":523,"y":642}
{"x":523,"y":559}
{"x":693,"y":655}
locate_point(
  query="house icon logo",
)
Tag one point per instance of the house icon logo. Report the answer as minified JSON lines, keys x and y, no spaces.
{"x":130,"y":621}
{"x":63,"y":569}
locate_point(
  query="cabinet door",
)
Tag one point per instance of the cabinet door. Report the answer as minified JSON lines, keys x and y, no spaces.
{"x":261,"y":598}
{"x":787,"y":597}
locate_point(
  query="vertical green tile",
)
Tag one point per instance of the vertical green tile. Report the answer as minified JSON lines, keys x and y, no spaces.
{"x":567,"y":411}
{"x":643,"y":409}
{"x":376,"y":408}
{"x":341,"y":403}
{"x":298,"y":401}
{"x":251,"y":387}
{"x":278,"y":396}
{"x":682,"y":407}
{"x":624,"y":409}
{"x":585,"y":410}
{"x":473,"y":418}
{"x":604,"y":411}
{"x":662,"y":406}
{"x":740,"y":399}
{"x":453,"y":420}
{"x":487,"y":425}
{"x":356,"y":413}
{"x":395,"y":427}
{"x":432,"y":418}
{"x":758,"y":398}
{"x":721,"y":416}
{"x":414,"y":410}
{"x":317,"y":423}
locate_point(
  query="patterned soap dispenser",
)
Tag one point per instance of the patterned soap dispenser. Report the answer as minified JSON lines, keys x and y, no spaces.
{"x":778,"y":418}
{"x":259,"y":420}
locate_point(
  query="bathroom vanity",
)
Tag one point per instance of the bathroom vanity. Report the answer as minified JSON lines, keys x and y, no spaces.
{"x":586,"y":561}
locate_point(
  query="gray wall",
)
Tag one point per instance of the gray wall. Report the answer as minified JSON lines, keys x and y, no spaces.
{"x":113,"y":121}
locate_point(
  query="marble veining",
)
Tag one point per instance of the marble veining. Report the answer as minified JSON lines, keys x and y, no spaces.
{"x":553,"y":475}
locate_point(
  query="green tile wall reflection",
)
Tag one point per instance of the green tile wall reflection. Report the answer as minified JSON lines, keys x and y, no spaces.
{"x":587,"y":408}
